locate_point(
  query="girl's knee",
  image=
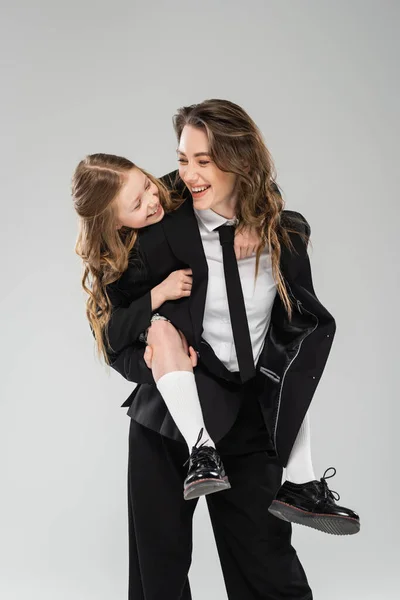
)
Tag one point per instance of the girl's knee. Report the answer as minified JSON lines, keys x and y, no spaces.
{"x":163,"y":334}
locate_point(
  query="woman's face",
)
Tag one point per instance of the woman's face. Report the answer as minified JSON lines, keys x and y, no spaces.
{"x":137,"y":203}
{"x":210,"y":187}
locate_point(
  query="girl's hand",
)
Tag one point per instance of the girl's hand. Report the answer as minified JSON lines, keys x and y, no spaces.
{"x":177,"y":285}
{"x":246,"y":242}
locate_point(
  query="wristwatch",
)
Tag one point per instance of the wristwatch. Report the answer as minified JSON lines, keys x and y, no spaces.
{"x":155,"y":317}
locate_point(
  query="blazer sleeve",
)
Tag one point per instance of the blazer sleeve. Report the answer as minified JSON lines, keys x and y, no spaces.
{"x":304,"y":280}
{"x":127,"y":322}
{"x":130,"y":364}
{"x":295,"y":261}
{"x":125,"y":326}
{"x":130,"y":297}
{"x":304,"y":276}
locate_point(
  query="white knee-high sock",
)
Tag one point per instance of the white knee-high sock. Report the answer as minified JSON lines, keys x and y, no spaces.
{"x":179,"y":391}
{"x":299,"y":468}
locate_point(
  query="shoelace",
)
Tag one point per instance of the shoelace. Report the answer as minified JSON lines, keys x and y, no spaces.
{"x":328,"y":494}
{"x":196,"y":448}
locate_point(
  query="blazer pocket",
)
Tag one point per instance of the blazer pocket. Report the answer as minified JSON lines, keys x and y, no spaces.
{"x":268,"y":373}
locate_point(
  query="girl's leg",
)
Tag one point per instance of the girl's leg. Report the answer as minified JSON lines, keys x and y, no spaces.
{"x":305,"y":500}
{"x":173,"y":373}
{"x":299,"y":468}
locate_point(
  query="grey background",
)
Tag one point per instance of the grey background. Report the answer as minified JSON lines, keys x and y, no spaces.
{"x":321,"y":80}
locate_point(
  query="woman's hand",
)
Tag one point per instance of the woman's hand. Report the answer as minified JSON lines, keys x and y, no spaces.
{"x":188,"y":350}
{"x":177,"y":285}
{"x":246,"y":242}
{"x":148,"y":354}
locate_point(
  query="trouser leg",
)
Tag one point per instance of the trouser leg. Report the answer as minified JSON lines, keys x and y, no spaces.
{"x":160,"y":520}
{"x":257,"y":558}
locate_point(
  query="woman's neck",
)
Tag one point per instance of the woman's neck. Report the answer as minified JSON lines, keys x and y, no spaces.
{"x":226,"y":209}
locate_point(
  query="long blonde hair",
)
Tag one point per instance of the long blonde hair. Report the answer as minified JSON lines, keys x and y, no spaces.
{"x":236,"y":146}
{"x":103,"y":248}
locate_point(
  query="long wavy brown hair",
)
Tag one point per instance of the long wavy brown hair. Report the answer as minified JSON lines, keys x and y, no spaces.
{"x":104,"y":249}
{"x":236,"y":145}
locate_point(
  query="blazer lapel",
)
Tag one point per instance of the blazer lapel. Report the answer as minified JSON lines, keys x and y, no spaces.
{"x":183,"y":236}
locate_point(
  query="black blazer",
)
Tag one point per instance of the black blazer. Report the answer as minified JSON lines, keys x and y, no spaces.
{"x":293,"y":356}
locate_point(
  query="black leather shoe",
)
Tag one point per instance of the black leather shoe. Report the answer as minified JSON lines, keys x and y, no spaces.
{"x":313,"y":504}
{"x":206,"y":473}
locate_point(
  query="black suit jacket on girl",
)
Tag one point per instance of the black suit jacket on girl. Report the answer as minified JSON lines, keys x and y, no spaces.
{"x":294,"y":352}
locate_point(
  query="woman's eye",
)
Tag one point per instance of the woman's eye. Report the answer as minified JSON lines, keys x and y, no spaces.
{"x":203,"y":163}
{"x":148,"y":185}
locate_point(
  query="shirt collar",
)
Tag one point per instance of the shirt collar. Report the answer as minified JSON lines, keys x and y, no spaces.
{"x":211,"y":220}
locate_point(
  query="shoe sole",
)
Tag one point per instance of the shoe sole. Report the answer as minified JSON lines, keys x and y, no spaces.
{"x":203,"y":487}
{"x":336,"y":525}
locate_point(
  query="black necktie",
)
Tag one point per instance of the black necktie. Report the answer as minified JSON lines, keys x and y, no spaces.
{"x":237,"y":309}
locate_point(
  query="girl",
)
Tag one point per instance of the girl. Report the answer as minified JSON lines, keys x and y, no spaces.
{"x":114,"y":199}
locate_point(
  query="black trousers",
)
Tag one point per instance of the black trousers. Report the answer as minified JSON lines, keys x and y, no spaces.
{"x":257,"y":558}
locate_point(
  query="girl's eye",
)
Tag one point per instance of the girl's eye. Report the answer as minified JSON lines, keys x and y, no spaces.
{"x":181,"y":160}
{"x":148,"y":185}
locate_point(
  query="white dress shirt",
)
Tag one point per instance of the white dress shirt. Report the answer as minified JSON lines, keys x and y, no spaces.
{"x":258,"y":295}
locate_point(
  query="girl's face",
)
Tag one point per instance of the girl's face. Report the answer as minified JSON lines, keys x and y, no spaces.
{"x":210,"y":187}
{"x":138,"y":204}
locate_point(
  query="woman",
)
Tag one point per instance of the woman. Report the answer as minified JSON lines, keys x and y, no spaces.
{"x":232,"y":178}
